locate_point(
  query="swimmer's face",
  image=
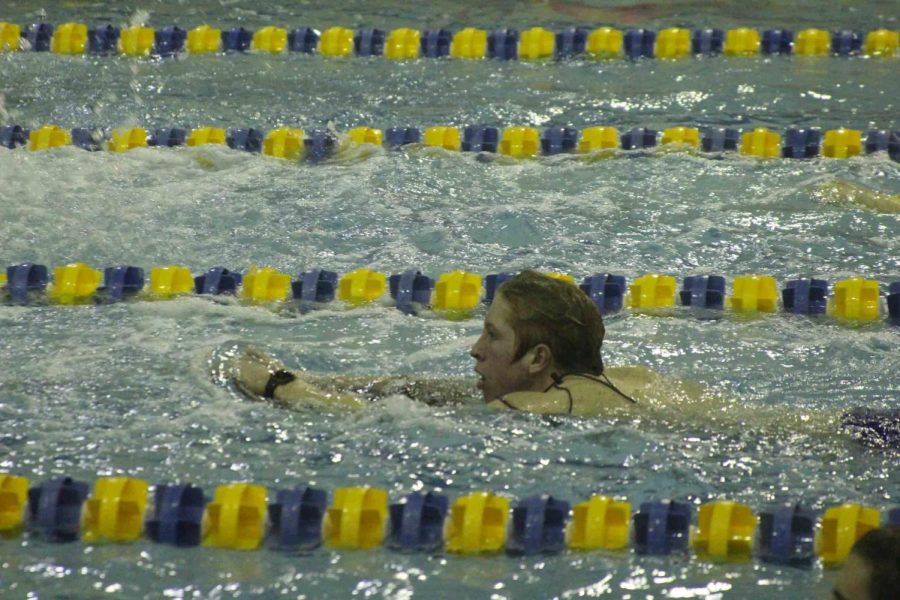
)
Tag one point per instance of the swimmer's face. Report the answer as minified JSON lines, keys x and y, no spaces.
{"x":498,"y":373}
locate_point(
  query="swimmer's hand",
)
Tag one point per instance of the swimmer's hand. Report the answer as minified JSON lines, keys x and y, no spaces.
{"x":252,"y":370}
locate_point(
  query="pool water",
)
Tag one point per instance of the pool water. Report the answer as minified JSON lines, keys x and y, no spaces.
{"x":129,"y":389}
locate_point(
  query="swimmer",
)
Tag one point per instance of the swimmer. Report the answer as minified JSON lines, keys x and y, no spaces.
{"x":840,"y":191}
{"x":539,"y":352}
{"x":872,"y":569}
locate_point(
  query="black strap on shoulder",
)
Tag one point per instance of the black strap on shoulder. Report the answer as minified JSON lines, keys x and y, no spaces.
{"x":604,"y":379}
{"x":506,"y":403}
{"x":557,"y":383}
{"x":601,"y":379}
{"x":279,"y":377}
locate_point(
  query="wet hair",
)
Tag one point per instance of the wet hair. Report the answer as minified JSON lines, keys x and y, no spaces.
{"x":556,"y":313}
{"x":880,"y":548}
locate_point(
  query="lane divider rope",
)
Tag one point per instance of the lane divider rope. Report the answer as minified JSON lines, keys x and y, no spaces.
{"x":536,"y":43}
{"x":518,"y":142}
{"x":245,"y":516}
{"x":453,"y":295}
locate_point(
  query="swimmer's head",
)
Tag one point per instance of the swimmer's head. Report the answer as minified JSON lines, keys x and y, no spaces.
{"x":553,"y":312}
{"x":536,"y":327}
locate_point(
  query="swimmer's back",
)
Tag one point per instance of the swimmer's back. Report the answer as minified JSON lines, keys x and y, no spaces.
{"x":633,"y":389}
{"x":586,"y":395}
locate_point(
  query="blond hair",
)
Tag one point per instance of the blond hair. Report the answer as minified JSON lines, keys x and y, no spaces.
{"x":556,"y":313}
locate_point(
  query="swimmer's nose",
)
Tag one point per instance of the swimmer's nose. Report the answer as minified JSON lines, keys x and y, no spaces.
{"x":473,"y":351}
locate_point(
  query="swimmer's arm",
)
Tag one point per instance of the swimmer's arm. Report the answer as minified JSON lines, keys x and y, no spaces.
{"x":429,"y":390}
{"x":300,"y":391}
{"x":253,"y":371}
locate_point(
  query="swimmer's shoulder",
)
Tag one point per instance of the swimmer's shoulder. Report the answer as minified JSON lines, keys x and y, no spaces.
{"x":595,"y":397}
{"x":632,"y":379}
{"x":634,"y":373}
{"x":552,"y":402}
{"x":578,"y":396}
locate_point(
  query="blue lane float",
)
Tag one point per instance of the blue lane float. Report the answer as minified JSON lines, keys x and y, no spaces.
{"x":801,"y":143}
{"x":397,"y":137}
{"x":39,"y":36}
{"x":303,"y":40}
{"x":247,"y":140}
{"x":409,"y":289}
{"x":538,"y":526}
{"x":86,"y":139}
{"x":639,"y":138}
{"x":606,"y":291}
{"x":167,"y":138}
{"x":315,"y":286}
{"x":720,"y":139}
{"x":480,"y":139}
{"x":416,"y":524}
{"x":558,"y":140}
{"x":883,"y":141}
{"x":103,"y":39}
{"x":435,"y":43}
{"x":571,"y":41}
{"x":491,"y":283}
{"x":846,"y":42}
{"x":707,"y":42}
{"x":236,"y":39}
{"x":703,"y":292}
{"x":176,"y":516}
{"x":13,"y":136}
{"x":319,"y":144}
{"x":296,"y":517}
{"x":787,"y":535}
{"x":894,"y":517}
{"x":893,"y":302}
{"x":805,"y":296}
{"x":639,"y":43}
{"x":25,"y":280}
{"x":218,"y":280}
{"x":503,"y":44}
{"x":369,"y":42}
{"x":54,"y":509}
{"x":169,"y":40}
{"x":777,"y":41}
{"x":661,"y":528}
{"x":121,"y":282}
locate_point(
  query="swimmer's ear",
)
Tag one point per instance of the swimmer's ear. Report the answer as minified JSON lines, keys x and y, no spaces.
{"x":539,"y":358}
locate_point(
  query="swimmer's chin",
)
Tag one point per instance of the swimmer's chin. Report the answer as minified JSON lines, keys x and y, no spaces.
{"x":479,"y":385}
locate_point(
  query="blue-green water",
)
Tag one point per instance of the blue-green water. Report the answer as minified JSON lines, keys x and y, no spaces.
{"x":126,"y":389}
